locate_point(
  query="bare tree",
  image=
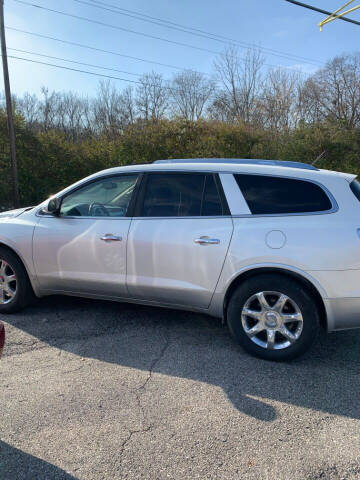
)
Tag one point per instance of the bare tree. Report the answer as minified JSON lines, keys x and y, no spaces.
{"x":106,"y":108}
{"x":276,"y":101}
{"x":190,"y":93}
{"x":28,"y":106}
{"x":71,"y":112}
{"x":49,"y":109}
{"x":112,"y":109}
{"x":88,"y":116}
{"x":152,"y":96}
{"x":221,"y":107}
{"x":333,"y":93}
{"x":241,"y":80}
{"x":127,"y":107}
{"x":280,"y":99}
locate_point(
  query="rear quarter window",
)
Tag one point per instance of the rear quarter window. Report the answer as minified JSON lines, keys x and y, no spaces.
{"x":355,"y":188}
{"x":280,"y":195}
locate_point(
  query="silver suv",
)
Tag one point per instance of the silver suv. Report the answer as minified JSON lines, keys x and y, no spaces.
{"x":270,"y":247}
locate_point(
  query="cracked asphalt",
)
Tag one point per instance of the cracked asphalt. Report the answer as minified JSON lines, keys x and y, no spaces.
{"x":97,"y":390}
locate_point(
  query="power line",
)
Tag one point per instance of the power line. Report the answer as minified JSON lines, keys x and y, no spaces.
{"x":68,"y":42}
{"x":116,"y":27}
{"x":174,"y":42}
{"x":192,"y":31}
{"x":74,"y":61}
{"x":138,"y":82}
{"x":81,"y":63}
{"x":320,"y":10}
{"x":111,"y":77}
{"x":74,"y":69}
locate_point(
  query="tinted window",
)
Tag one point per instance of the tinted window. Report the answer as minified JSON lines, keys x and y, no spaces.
{"x":108,"y":197}
{"x":181,"y":195}
{"x":211,"y":202}
{"x":355,"y":188}
{"x":274,"y":195}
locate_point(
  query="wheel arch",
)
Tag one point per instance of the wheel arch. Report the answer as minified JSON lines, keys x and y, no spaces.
{"x":306,"y":282}
{"x":14,"y":252}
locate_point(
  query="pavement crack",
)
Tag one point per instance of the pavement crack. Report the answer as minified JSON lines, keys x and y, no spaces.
{"x":155,"y":362}
{"x":128,"y":440}
{"x":140,"y":390}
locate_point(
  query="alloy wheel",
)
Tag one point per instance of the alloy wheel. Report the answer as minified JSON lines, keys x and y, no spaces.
{"x":272,"y":320}
{"x":8,"y":283}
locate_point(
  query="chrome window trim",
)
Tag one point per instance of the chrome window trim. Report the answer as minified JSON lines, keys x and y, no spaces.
{"x":300,"y":214}
{"x":250,"y":215}
{"x":334,"y":209}
{"x":81,"y":217}
{"x":183,"y":218}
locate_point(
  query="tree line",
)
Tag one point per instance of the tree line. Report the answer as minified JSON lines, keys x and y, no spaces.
{"x":242,"y":110}
{"x":239,"y":90}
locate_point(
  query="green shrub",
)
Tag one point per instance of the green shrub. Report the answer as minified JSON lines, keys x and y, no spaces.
{"x":49,"y":161}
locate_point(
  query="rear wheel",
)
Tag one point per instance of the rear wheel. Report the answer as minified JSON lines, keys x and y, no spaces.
{"x":15,"y":288}
{"x":273,"y":317}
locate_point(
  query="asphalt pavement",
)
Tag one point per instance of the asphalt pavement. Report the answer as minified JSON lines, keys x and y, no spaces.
{"x":93,"y":390}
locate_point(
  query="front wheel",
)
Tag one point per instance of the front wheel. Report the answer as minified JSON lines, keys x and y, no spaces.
{"x":273,"y":317}
{"x":15,"y":288}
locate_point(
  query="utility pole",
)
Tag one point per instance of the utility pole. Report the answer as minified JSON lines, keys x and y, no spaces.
{"x":10,"y":118}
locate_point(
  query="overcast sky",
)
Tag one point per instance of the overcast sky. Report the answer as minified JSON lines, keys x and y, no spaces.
{"x":274,"y":24}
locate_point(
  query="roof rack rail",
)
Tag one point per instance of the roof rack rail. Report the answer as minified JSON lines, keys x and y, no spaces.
{"x":239,"y":161}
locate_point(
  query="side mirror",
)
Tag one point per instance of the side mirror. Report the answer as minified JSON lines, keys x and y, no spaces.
{"x":53,"y":206}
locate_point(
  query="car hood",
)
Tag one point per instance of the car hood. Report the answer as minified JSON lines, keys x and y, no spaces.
{"x":13,"y":213}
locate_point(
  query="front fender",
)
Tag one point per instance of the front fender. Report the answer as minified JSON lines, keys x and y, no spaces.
{"x":17,"y":235}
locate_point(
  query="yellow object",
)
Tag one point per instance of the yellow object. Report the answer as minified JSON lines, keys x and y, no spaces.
{"x":337,"y":14}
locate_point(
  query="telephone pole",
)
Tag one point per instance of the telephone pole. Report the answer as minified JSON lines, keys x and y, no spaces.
{"x":10,"y":118}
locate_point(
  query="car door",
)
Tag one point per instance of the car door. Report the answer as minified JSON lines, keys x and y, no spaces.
{"x":179,"y":239}
{"x":83,"y":249}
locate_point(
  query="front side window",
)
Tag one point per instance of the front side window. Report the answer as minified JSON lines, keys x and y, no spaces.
{"x":276,"y":195}
{"x":108,"y":197}
{"x":181,"y":195}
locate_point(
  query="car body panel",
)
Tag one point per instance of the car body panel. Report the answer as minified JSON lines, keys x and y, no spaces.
{"x":17,"y":234}
{"x":342,"y":313}
{"x":218,"y":304}
{"x":70,"y":256}
{"x":166,"y":265}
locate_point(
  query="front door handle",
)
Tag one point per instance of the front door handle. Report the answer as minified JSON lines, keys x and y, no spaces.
{"x":109,"y":237}
{"x":207,"y":241}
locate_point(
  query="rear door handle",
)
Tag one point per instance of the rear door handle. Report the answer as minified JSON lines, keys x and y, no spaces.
{"x":109,"y":237}
{"x":207,"y":241}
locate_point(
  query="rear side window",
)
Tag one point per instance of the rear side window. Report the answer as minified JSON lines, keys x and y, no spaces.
{"x":181,"y":195}
{"x":355,"y":188}
{"x":276,"y":195}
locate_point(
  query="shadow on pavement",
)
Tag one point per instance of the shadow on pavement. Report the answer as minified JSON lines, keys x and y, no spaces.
{"x":20,"y":465}
{"x":197,"y":347}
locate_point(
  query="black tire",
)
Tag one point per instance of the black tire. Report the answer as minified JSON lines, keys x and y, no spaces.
{"x":296,"y":292}
{"x":24,"y":293}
